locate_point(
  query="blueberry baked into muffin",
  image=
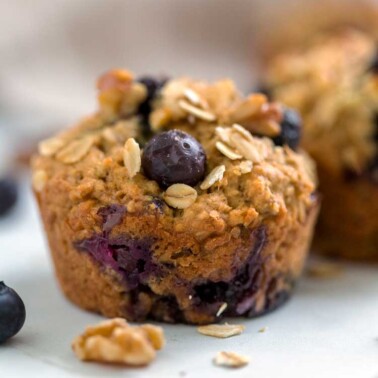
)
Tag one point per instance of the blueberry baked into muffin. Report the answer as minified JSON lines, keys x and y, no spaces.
{"x":333,"y":82}
{"x":178,"y":200}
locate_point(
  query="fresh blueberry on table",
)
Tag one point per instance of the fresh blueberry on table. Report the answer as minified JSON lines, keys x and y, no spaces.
{"x":12,"y":312}
{"x":174,"y":157}
{"x":8,"y":195}
{"x":291,"y":126}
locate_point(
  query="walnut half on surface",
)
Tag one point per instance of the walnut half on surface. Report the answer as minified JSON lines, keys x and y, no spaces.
{"x":115,"y":341}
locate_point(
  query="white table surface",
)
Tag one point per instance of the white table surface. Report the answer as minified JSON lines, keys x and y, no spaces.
{"x":328,"y":329}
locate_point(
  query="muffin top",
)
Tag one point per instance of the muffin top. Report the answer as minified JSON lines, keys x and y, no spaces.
{"x":333,"y":81}
{"x":201,"y":155}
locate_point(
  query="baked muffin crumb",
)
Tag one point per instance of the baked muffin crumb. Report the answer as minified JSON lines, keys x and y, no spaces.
{"x":332,"y":81}
{"x":147,"y":217}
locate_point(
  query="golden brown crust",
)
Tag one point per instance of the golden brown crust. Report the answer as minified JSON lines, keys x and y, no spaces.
{"x":252,"y":225}
{"x":91,"y":287}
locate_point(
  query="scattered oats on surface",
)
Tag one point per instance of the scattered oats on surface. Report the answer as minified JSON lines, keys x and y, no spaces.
{"x":131,"y":157}
{"x":263,"y":329}
{"x":222,"y":309}
{"x":51,"y":146}
{"x":215,"y":175}
{"x":324,"y":269}
{"x":227,"y":151}
{"x":230,"y":359}
{"x":199,"y":113}
{"x":39,"y":180}
{"x":221,"y":331}
{"x":180,"y":196}
{"x":76,"y":150}
{"x":115,"y":341}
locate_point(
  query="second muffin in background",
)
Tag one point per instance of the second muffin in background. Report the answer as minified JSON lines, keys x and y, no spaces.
{"x":333,"y":82}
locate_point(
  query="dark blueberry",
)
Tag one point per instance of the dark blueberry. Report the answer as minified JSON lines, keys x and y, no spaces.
{"x":291,"y":126}
{"x":211,"y":292}
{"x":8,"y":195}
{"x":153,"y":86}
{"x":12,"y":313}
{"x":159,"y":204}
{"x":129,"y":256}
{"x":134,"y":258}
{"x":174,"y":157}
{"x":275,"y":300}
{"x":239,"y":292}
{"x":98,"y":247}
{"x":111,"y":215}
{"x":373,"y":66}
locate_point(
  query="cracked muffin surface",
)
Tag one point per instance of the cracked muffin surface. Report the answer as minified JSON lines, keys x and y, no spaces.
{"x":333,"y":82}
{"x":177,"y":198}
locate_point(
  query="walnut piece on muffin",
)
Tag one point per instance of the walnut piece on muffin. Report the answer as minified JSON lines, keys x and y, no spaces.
{"x":333,"y":82}
{"x":179,"y":200}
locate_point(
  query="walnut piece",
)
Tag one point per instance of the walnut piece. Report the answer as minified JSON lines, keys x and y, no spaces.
{"x":115,"y":341}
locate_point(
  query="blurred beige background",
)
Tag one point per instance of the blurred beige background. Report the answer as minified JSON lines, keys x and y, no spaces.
{"x":52,"y":50}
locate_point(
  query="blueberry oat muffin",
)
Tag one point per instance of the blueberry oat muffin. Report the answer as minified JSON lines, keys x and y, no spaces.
{"x":333,"y":82}
{"x":178,"y":200}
